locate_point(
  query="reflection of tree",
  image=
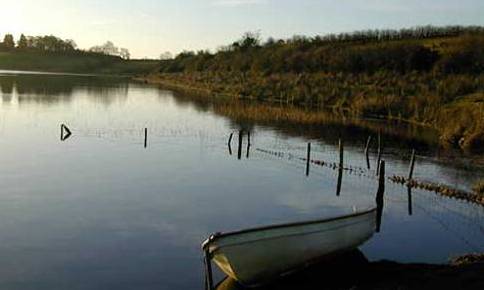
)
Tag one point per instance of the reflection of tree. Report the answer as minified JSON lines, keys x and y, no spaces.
{"x":6,"y":85}
{"x":42,"y":90}
{"x":107,"y":93}
{"x":53,"y":89}
{"x":6,"y":89}
{"x":355,"y":131}
{"x":183,"y":100}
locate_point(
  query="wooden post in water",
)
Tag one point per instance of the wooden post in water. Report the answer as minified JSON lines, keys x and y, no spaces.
{"x":367,"y":152}
{"x":146,"y":137}
{"x":367,"y":147}
{"x":341,"y":166}
{"x":412,"y":165}
{"x":208,"y":271}
{"x":341,"y":153}
{"x":248,"y":144}
{"x":239,"y":153}
{"x":308,"y":159}
{"x":380,"y":194}
{"x":378,"y":163}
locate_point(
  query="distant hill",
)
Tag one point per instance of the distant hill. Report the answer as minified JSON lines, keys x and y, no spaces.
{"x":75,"y":62}
{"x":53,"y":54}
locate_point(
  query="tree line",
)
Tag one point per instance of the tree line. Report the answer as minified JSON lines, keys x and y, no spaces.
{"x":370,"y":51}
{"x":42,"y":43}
{"x":53,"y":44}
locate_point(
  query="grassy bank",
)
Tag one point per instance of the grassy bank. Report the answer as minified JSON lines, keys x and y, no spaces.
{"x":415,"y":98}
{"x":74,"y":62}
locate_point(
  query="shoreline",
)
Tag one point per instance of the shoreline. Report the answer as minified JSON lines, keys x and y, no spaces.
{"x":466,"y":272}
{"x":467,"y":142}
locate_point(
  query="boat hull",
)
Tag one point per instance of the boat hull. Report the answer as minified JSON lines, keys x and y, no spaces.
{"x":254,"y":257}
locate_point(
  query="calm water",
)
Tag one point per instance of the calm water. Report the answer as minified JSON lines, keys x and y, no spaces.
{"x":100,"y":211}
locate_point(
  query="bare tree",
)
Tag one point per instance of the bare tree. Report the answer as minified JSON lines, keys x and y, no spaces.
{"x":107,"y":48}
{"x":124,"y":53}
{"x":166,"y":55}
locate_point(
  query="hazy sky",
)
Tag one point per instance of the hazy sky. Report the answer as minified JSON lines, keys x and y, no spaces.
{"x":149,"y":27}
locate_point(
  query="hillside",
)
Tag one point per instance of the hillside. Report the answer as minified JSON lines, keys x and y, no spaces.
{"x":428,"y":75}
{"x":88,"y":63}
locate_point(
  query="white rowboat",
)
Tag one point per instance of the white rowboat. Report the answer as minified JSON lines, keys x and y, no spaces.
{"x":256,"y":256}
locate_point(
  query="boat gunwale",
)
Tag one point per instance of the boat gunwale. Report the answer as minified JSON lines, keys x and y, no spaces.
{"x":216,"y":236}
{"x":288,"y":235}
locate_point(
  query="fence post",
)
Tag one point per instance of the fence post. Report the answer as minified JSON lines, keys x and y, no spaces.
{"x":378,"y":162}
{"x":412,"y":165}
{"x":239,"y":153}
{"x":308,"y":160}
{"x":380,"y":194}
{"x":367,"y":151}
{"x":248,"y":144}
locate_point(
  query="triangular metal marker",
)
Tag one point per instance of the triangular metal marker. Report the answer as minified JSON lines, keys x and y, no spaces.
{"x":65,"y":132}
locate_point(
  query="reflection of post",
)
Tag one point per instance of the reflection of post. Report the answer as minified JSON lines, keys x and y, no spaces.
{"x":229,"y":143}
{"x":308,"y":159}
{"x":340,"y":181}
{"x":409,"y":191}
{"x":379,"y":154}
{"x":367,"y":152}
{"x":248,"y":144}
{"x":208,"y":271}
{"x":412,"y":164}
{"x":239,"y":154}
{"x":146,"y":137}
{"x":379,"y":195}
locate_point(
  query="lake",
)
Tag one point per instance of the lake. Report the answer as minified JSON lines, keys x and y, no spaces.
{"x":98,"y":210}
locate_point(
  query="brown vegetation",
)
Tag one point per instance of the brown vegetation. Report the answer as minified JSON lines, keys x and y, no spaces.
{"x":431,"y":76}
{"x":479,"y":188}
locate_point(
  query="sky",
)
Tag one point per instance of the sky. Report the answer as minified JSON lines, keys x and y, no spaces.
{"x":149,"y":27}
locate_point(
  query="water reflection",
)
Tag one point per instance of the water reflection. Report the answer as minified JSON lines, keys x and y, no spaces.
{"x":409,"y":194}
{"x":248,"y":145}
{"x":119,"y":215}
{"x":340,"y":181}
{"x":49,"y":90}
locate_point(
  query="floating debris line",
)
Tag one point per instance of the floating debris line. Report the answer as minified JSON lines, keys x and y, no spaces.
{"x":354,"y":170}
{"x":441,"y":189}
{"x":438,"y":188}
